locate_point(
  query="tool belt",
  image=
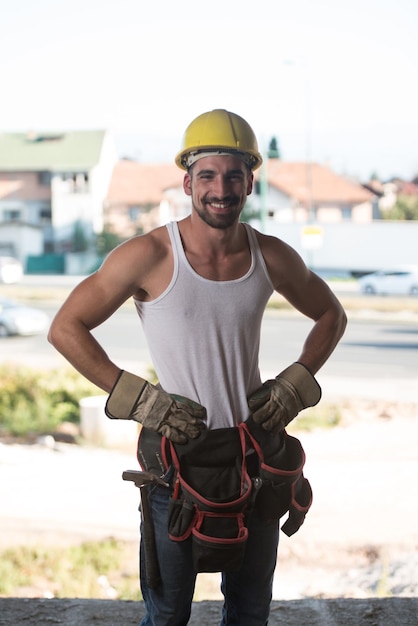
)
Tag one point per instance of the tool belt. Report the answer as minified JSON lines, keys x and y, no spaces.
{"x":218,"y":480}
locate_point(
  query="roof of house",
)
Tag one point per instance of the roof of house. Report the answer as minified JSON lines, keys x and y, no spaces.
{"x":142,"y":183}
{"x":145,"y":183}
{"x":66,"y":151}
{"x":408,"y":189}
{"x":325,"y":187}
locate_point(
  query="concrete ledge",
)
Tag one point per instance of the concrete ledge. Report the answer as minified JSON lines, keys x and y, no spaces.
{"x":335,"y":612}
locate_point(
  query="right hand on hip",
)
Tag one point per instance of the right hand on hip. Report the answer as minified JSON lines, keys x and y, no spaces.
{"x":175,"y":417}
{"x":277,"y":402}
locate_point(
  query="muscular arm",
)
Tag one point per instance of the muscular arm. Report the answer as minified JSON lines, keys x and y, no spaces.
{"x":128,"y":270}
{"x":310,"y":295}
{"x":87,"y":307}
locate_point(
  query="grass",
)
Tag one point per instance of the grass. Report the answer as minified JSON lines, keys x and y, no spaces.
{"x":383,"y":586}
{"x":322,"y":416}
{"x":92,"y":570}
{"x":101,"y":569}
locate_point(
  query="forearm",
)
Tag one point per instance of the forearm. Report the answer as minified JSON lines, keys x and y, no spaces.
{"x":277,"y":402}
{"x":85,"y":354}
{"x":323,"y":338}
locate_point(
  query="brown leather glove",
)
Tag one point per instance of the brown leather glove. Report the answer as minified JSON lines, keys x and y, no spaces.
{"x":175,"y":417}
{"x":277,"y":402}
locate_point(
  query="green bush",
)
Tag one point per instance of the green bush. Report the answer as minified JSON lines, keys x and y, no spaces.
{"x":71,"y":572}
{"x":35,"y":401}
{"x":322,"y":416}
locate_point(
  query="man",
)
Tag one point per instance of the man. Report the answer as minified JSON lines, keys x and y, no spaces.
{"x":200,"y":287}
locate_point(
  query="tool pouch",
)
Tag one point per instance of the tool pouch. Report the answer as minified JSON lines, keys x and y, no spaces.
{"x":284,"y":487}
{"x":212,"y":495}
{"x":217,"y":481}
{"x":219,"y":541}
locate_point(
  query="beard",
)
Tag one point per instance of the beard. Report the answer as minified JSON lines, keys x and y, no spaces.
{"x":219,"y":220}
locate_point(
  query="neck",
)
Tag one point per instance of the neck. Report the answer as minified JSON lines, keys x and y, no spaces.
{"x":213,"y":253}
{"x":202,"y":236}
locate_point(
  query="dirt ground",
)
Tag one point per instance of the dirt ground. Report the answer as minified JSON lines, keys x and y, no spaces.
{"x":353,"y":561}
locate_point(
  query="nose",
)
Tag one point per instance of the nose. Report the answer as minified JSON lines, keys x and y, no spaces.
{"x":221,"y":186}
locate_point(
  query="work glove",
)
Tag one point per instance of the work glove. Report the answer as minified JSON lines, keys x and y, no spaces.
{"x":277,"y":402}
{"x":175,"y":417}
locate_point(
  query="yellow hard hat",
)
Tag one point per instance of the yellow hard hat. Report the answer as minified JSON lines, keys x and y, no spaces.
{"x":219,"y":132}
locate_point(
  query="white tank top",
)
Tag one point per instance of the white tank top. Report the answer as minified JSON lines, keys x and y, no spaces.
{"x":204,"y":335}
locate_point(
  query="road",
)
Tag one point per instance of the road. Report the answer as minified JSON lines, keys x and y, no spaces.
{"x":381,"y":352}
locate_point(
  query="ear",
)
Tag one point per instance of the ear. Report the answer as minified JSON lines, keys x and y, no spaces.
{"x":187,"y":184}
{"x":250,"y":184}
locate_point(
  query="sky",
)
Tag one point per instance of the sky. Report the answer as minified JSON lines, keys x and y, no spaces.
{"x":335,"y":81}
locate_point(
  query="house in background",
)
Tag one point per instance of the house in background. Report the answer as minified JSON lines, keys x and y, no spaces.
{"x":55,"y":182}
{"x":58,"y":190}
{"x":391,"y":191}
{"x":143,"y":196}
{"x":310,"y":192}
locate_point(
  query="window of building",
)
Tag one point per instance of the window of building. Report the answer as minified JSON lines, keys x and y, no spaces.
{"x":78,"y":182}
{"x":346,"y":213}
{"x":45,"y":216}
{"x":134,"y":213}
{"x":44,"y":178}
{"x":12,"y":215}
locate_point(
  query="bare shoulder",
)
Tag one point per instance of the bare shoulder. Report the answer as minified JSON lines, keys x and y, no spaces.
{"x":140,"y":267}
{"x":143,"y":248}
{"x":283,"y":262}
{"x":291,"y":277}
{"x":143,"y":264}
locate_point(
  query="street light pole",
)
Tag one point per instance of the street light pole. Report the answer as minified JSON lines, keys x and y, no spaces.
{"x":263,"y":193}
{"x":303,"y":64}
{"x":310,"y":237}
{"x":308,"y":146}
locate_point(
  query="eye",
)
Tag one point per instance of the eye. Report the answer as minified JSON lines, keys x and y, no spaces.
{"x":236,"y":177}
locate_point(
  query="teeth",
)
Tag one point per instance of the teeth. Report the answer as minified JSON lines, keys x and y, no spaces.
{"x":219,"y":205}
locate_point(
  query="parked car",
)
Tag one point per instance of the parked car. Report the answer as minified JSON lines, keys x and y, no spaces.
{"x":399,"y":281}
{"x":11,"y":270}
{"x":17,"y":319}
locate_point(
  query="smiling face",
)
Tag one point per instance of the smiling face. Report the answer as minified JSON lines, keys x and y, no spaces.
{"x":218,"y":186}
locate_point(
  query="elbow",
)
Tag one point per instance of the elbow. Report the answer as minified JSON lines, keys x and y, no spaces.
{"x":341,"y":322}
{"x":52,"y":334}
{"x":55,"y":334}
{"x":335,"y":318}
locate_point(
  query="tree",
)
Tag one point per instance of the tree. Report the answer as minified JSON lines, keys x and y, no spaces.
{"x":274,"y":150}
{"x":249,"y":213}
{"x":106,"y":241}
{"x":80,"y":239}
{"x":405,"y":208}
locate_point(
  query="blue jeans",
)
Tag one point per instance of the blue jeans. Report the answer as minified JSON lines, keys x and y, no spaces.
{"x":247,"y":592}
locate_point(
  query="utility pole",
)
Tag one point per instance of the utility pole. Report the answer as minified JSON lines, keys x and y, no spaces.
{"x":263,"y":193}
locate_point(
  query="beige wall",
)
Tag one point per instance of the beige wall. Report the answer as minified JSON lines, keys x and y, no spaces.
{"x":22,"y":186}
